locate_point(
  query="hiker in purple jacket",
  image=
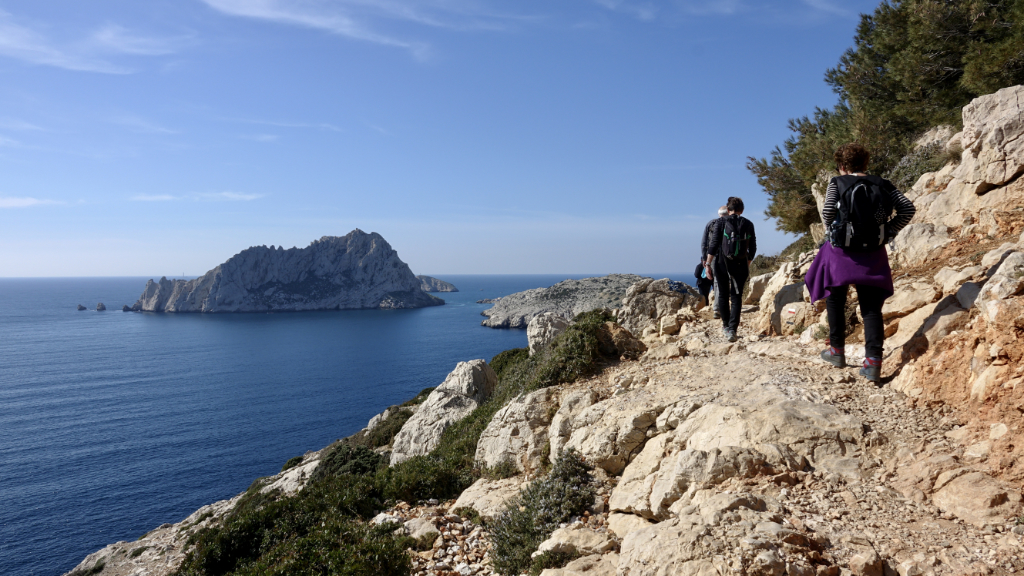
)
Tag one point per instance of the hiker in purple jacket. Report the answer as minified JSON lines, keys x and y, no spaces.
{"x":839,"y":263}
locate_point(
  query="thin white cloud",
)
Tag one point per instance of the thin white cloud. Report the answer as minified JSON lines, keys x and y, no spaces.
{"x":362,"y":19}
{"x":141,"y":125}
{"x":711,"y":7}
{"x":22,"y":43}
{"x":19,"y":125}
{"x":9,"y":142}
{"x":265,"y":138}
{"x":118,"y":39}
{"x":640,"y":10}
{"x":153,"y":198}
{"x":828,"y":6}
{"x":26,"y":202}
{"x":232,"y":196}
{"x":308,"y":125}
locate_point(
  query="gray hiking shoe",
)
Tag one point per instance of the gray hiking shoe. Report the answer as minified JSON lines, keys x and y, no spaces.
{"x":872,"y":373}
{"x":732,"y":337}
{"x":837,"y":360}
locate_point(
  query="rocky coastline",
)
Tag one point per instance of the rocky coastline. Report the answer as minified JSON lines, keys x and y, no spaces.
{"x":754,"y":457}
{"x":431,"y":284}
{"x":567,"y":299}
{"x":355,"y":271}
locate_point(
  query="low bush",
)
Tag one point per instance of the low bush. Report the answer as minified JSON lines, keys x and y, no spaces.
{"x":551,"y":559}
{"x":342,"y":459}
{"x":537,"y":512}
{"x":291,"y":463}
{"x":911,"y":167}
{"x":501,"y":470}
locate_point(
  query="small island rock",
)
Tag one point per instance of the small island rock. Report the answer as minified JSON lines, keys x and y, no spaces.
{"x":100,"y":307}
{"x":80,"y":308}
{"x":355,"y":271}
{"x":430,"y":284}
{"x":126,"y":308}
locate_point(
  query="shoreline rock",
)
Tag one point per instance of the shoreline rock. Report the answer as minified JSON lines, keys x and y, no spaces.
{"x":566,"y":299}
{"x":431,"y":284}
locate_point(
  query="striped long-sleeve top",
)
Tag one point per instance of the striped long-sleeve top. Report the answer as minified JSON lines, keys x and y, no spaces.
{"x":903,"y":208}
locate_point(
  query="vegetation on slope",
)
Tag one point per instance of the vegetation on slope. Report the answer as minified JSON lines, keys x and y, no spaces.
{"x":322,"y":529}
{"x":914,"y":65}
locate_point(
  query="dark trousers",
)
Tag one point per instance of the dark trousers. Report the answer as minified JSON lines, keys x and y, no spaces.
{"x":871,"y":300}
{"x":730,"y":276}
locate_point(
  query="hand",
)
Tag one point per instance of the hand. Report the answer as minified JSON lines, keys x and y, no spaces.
{"x":707,"y":269}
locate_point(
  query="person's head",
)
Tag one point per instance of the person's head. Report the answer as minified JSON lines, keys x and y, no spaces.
{"x":734,"y":205}
{"x":723,"y":211}
{"x":851,"y":158}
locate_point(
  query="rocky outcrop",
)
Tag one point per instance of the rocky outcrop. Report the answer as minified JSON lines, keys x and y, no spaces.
{"x":100,"y":307}
{"x":465,"y":388}
{"x":566,"y":299}
{"x":430,"y":284}
{"x":488,"y":497}
{"x":658,"y":307}
{"x":80,"y":308}
{"x":355,"y":271}
{"x":518,"y":433}
{"x":544,"y":328}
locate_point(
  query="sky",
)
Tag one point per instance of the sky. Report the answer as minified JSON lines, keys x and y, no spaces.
{"x":476,"y":136}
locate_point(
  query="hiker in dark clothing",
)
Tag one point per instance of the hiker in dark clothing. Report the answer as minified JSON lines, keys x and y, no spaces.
{"x":733,"y":245}
{"x":705,"y":285}
{"x":862,"y":206}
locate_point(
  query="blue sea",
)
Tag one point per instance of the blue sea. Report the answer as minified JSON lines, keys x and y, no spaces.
{"x":113,"y":423}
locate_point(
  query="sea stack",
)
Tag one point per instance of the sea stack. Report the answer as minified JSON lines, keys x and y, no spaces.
{"x":355,"y":271}
{"x":430,"y":284}
{"x":80,"y":308}
{"x":100,"y":307}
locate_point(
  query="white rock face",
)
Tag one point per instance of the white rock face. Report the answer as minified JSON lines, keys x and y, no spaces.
{"x":518,"y":433}
{"x":544,"y":328}
{"x":358,"y":270}
{"x":561,"y":424}
{"x":465,"y":388}
{"x":609,"y":432}
{"x":993,"y":152}
{"x":909,"y":297}
{"x":488,"y":497}
{"x":757,"y":287}
{"x":649,"y":303}
{"x":1007,"y":281}
{"x":577,"y":539}
{"x":566,"y":299}
{"x":918,"y":243}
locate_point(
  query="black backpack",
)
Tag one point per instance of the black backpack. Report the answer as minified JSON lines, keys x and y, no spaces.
{"x":863,"y":207}
{"x":734,"y":240}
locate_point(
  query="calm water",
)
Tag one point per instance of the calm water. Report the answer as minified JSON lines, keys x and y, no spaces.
{"x":112,"y":423}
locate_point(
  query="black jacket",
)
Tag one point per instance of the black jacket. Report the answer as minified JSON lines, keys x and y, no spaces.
{"x":705,"y":240}
{"x":746,"y":228}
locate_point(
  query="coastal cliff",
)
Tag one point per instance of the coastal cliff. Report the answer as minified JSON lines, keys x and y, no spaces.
{"x":354,"y":271}
{"x":567,"y":299}
{"x":709,"y":457}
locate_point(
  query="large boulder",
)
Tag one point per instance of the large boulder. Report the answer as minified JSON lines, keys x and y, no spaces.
{"x":648,"y":301}
{"x":909,"y":297}
{"x":919,"y":243}
{"x":544,"y":328}
{"x":518,"y":433}
{"x":465,"y":388}
{"x":757,"y":287}
{"x":573,"y":403}
{"x":773,"y":304}
{"x":610,"y":432}
{"x":1007,"y":281}
{"x":993,"y":149}
{"x":489,"y":497}
{"x":921,"y":329}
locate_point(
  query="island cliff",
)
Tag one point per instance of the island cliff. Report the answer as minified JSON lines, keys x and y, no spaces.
{"x":358,"y":270}
{"x":431,"y":284}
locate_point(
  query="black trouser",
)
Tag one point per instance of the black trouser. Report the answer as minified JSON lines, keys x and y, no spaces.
{"x":871,"y":300}
{"x":730,"y":276}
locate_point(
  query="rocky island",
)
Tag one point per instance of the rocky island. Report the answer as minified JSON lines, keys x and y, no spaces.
{"x":430,"y":284}
{"x":354,"y":271}
{"x":567,"y":299}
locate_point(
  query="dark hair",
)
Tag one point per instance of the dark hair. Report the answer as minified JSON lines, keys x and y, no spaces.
{"x":735,"y":204}
{"x":853,"y":157}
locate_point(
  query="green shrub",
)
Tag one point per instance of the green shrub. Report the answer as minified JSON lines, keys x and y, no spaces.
{"x":551,"y":559}
{"x":501,"y":470}
{"x":537,"y":512}
{"x":419,"y":398}
{"x":96,"y":569}
{"x":503,"y":360}
{"x":342,"y":459}
{"x":135,"y":553}
{"x":292,"y":463}
{"x":470,"y":513}
{"x":911,"y":167}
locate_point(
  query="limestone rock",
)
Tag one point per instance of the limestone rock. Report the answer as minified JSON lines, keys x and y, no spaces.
{"x":571,"y":406}
{"x":993,"y":152}
{"x":125,"y":308}
{"x":420,"y":528}
{"x":666,"y":352}
{"x":566,"y":299}
{"x":80,"y":308}
{"x":757,"y":287}
{"x":795,"y":317}
{"x":922,"y":328}
{"x":648,"y":302}
{"x":358,"y":270}
{"x":614,"y":341}
{"x":919,"y":243}
{"x":950,"y":279}
{"x":576,"y":539}
{"x":608,"y":433}
{"x":977,"y":498}
{"x":465,"y":388}
{"x":1007,"y":281}
{"x":623,"y":524}
{"x":488,"y":497}
{"x":909,"y":297}
{"x":774,"y":301}
{"x":430,"y":284}
{"x":544,"y":328}
{"x":100,"y":307}
{"x":518,"y":433}
{"x":593,"y":565}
